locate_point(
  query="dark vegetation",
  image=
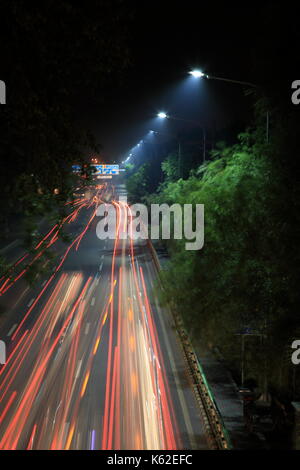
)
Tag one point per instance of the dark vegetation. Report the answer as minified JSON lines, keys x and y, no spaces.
{"x":52,"y":55}
{"x":246,"y":275}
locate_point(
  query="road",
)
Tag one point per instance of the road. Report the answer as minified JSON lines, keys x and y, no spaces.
{"x":93,"y":361}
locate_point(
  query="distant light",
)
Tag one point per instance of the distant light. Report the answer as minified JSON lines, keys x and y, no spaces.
{"x":162,"y":115}
{"x":197,"y":73}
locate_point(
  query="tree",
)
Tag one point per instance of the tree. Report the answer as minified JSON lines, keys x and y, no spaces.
{"x":244,"y":275}
{"x":52,"y":55}
{"x":138,"y":183}
{"x":170,"y":168}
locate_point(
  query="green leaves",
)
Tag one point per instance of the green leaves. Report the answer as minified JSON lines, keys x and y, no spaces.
{"x":243,"y":275}
{"x":170,"y":168}
{"x":138,"y":184}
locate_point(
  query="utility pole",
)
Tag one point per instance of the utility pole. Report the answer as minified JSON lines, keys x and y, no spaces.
{"x":179,"y":158}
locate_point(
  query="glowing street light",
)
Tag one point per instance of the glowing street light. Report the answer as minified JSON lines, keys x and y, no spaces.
{"x":197,"y":73}
{"x":162,"y":115}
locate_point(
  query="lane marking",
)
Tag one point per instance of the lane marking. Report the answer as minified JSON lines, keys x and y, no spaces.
{"x":56,"y":414}
{"x":87,"y":329}
{"x":78,"y":369}
{"x":31,"y":302}
{"x":101,"y":266}
{"x":93,"y":301}
{"x":12,"y":329}
{"x":20,"y":298}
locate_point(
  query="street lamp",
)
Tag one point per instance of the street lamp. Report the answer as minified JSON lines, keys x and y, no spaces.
{"x":162,"y":115}
{"x":198,"y":74}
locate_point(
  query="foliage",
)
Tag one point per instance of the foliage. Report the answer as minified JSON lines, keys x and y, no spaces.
{"x":244,"y":276}
{"x":138,"y":183}
{"x":49,"y":54}
{"x":170,"y":168}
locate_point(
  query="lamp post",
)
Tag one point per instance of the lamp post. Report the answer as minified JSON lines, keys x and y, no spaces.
{"x":199,"y":74}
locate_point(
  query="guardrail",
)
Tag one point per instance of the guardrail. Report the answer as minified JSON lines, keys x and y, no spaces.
{"x":217,"y":433}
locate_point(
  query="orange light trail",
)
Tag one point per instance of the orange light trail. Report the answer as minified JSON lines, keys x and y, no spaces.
{"x":14,"y":429}
{"x":138,"y":409}
{"x":105,"y":437}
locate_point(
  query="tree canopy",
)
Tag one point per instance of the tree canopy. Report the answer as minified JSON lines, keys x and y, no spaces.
{"x":245,"y":275}
{"x":49,"y":55}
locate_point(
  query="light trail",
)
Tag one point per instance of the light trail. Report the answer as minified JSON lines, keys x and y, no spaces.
{"x":10,"y":282}
{"x":14,"y":429}
{"x":109,"y":361}
{"x":49,"y":386}
{"x":133,"y":345}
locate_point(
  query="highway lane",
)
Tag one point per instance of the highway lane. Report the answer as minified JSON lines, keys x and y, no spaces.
{"x":96,"y":363}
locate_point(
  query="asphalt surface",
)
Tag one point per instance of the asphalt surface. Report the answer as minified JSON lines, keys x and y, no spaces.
{"x":93,"y":361}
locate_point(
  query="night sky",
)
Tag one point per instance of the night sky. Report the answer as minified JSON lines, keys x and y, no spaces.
{"x":250,"y":41}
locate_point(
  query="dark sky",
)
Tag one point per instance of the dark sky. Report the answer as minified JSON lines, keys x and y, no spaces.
{"x":166,"y":39}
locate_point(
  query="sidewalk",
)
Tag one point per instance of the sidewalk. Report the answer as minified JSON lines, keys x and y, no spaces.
{"x":223,"y":390}
{"x":228,"y":402}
